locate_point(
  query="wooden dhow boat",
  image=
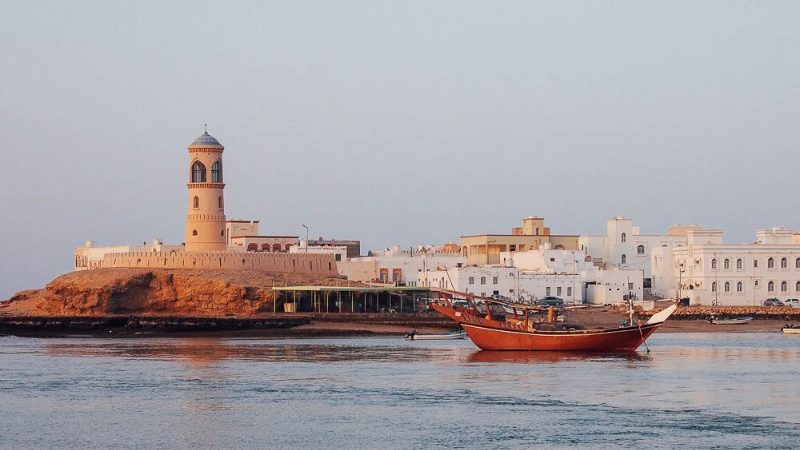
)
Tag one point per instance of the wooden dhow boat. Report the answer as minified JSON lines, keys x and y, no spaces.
{"x":520,"y":332}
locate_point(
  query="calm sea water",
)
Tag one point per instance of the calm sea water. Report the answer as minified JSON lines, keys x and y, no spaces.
{"x":694,"y":390}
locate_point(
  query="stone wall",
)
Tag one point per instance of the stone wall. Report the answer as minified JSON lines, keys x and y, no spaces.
{"x":311,"y":264}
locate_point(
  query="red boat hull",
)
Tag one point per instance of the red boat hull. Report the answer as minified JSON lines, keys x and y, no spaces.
{"x":494,"y":335}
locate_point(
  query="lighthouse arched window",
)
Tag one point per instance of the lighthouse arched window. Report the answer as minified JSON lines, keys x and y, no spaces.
{"x":216,"y":172}
{"x":198,"y":172}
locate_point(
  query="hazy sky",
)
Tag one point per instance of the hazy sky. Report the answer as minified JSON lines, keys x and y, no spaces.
{"x":393,"y":122}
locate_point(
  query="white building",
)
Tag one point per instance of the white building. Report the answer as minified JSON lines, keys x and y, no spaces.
{"x":339,"y":252}
{"x":535,"y":274}
{"x":709,"y":272}
{"x":401,"y":267}
{"x":623,"y":246}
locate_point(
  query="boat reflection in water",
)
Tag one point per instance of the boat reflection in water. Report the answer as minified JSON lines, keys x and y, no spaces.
{"x":528,"y":357}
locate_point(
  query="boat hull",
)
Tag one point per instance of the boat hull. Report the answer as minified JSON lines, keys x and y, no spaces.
{"x":490,"y":334}
{"x":617,"y":340}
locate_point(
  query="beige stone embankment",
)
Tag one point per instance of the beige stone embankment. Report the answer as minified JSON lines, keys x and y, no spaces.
{"x":175,"y":292}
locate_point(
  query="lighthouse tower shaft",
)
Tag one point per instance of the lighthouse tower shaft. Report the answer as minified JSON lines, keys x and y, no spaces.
{"x":205,"y":223}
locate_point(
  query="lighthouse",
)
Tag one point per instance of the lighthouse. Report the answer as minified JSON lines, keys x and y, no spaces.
{"x":205,"y":222}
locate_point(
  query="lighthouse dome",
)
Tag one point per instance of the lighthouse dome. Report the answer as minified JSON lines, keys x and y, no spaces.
{"x":206,"y":141}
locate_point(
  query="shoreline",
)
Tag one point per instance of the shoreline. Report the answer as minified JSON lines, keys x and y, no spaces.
{"x":294,"y":326}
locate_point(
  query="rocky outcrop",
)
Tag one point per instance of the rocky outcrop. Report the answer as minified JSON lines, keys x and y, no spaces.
{"x":177,"y":292}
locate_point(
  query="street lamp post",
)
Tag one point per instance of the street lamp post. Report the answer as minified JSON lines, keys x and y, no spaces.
{"x":306,"y":227}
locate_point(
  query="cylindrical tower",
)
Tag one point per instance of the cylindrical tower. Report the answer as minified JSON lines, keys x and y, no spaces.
{"x":205,"y":223}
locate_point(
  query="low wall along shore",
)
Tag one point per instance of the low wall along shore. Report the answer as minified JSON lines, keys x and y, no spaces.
{"x":309,"y":264}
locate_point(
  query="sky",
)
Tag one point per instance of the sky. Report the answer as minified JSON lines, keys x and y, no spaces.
{"x":403,"y":122}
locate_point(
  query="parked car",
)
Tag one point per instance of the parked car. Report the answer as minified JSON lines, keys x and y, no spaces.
{"x":773,"y":302}
{"x":793,"y":302}
{"x":551,"y":301}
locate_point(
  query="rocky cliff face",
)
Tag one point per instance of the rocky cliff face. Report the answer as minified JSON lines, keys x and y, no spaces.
{"x":156,"y":292}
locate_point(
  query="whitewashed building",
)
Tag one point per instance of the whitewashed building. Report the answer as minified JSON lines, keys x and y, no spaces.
{"x":710,"y":272}
{"x":535,"y":274}
{"x":625,"y":247}
{"x":398,"y":266}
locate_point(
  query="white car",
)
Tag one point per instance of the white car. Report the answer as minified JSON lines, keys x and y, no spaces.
{"x":793,"y":302}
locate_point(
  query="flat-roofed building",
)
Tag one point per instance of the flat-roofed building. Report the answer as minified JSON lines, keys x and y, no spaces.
{"x":482,"y":249}
{"x":710,"y":272}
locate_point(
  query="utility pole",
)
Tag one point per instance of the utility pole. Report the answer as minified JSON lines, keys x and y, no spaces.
{"x":306,"y":227}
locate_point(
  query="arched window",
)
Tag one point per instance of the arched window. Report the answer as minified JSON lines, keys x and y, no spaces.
{"x":624,"y":259}
{"x":771,"y":263}
{"x":219,"y":202}
{"x":797,"y":263}
{"x":797,"y":286}
{"x":784,"y":286}
{"x":623,"y":238}
{"x":714,"y":287}
{"x":196,"y":202}
{"x":276,"y":248}
{"x":739,"y":286}
{"x":714,"y":263}
{"x":784,"y":263}
{"x":726,"y":264}
{"x":771,"y":286}
{"x":755,"y":264}
{"x":216,"y":172}
{"x":198,"y":172}
{"x":194,"y":232}
{"x":264,"y":247}
{"x":727,"y":286}
{"x":252,"y":247}
{"x":739,"y":264}
{"x":640,"y":250}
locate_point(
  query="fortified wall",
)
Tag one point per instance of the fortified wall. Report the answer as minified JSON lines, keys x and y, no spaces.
{"x":323,"y":265}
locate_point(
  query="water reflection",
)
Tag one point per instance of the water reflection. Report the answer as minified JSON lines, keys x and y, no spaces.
{"x":200,"y":351}
{"x":523,"y":357}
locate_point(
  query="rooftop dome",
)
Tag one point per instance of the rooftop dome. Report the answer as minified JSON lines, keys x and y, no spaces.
{"x":205,"y":141}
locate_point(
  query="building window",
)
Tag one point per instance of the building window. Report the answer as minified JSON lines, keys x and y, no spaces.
{"x":739,"y":287}
{"x":494,"y":280}
{"x":471,"y":280}
{"x":755,"y":264}
{"x":784,"y":286}
{"x":784,"y":263}
{"x":547,"y":291}
{"x":726,"y":264}
{"x":219,"y":202}
{"x":558,"y":291}
{"x":771,"y":263}
{"x":569,"y":291}
{"x":739,"y":264}
{"x":216,"y":172}
{"x":714,"y":287}
{"x":194,"y":232}
{"x":755,"y":283}
{"x":797,"y":263}
{"x":196,"y":202}
{"x":623,"y":238}
{"x":714,"y":263}
{"x":771,"y":286}
{"x":624,"y":259}
{"x":198,"y":172}
{"x":727,"y":286}
{"x":640,"y":250}
{"x":483,"y":280}
{"x":797,"y":286}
